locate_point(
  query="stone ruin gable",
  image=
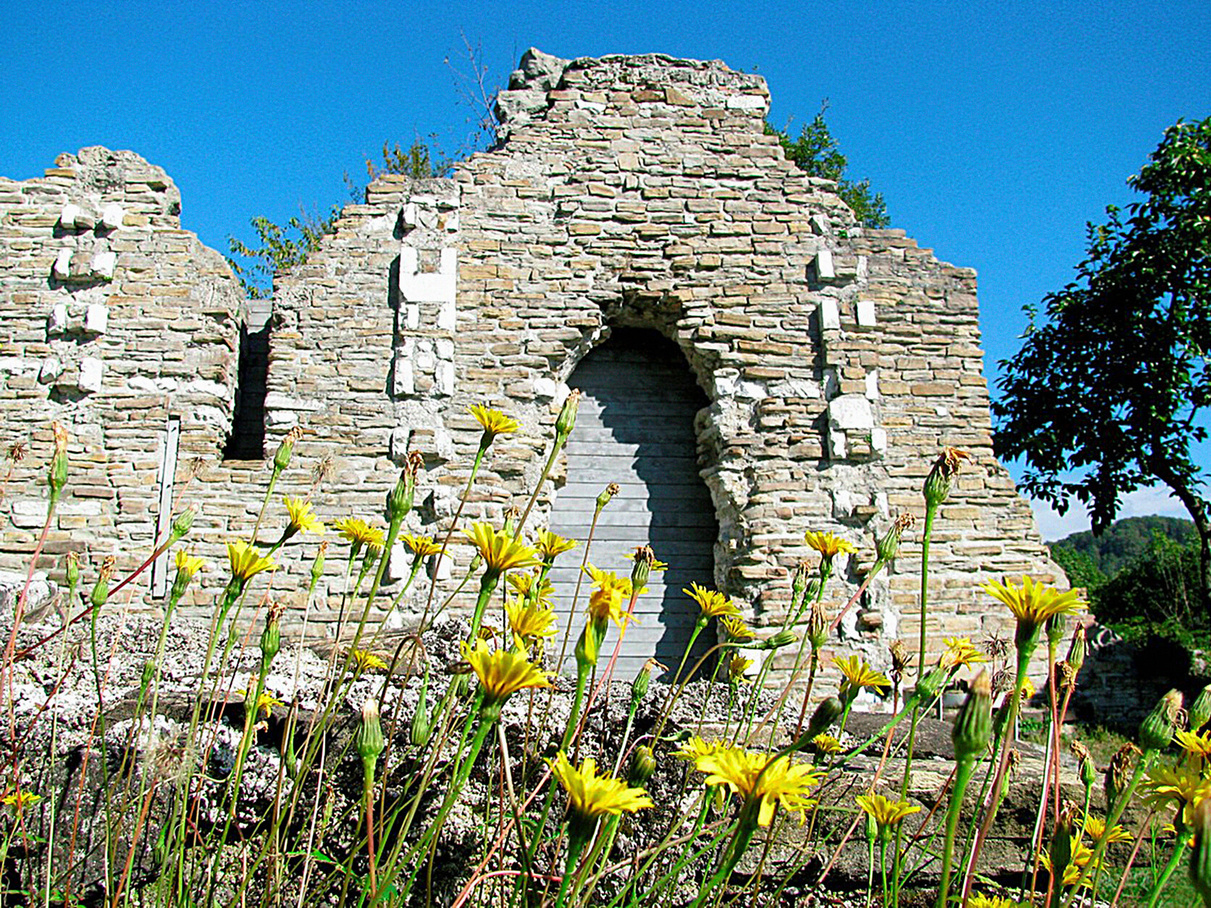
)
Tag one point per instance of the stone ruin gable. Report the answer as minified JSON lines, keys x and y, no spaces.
{"x":115,"y":322}
{"x":642,"y":191}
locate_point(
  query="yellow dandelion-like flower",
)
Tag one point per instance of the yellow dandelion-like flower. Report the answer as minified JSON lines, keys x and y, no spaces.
{"x":1032,"y":604}
{"x":1195,"y":745}
{"x":745,"y":773}
{"x":884,"y":810}
{"x":523,"y":584}
{"x":1183,"y":786}
{"x":1028,"y":690}
{"x":828,"y":544}
{"x":20,"y":799}
{"x":696,"y":747}
{"x":712,"y":602}
{"x":1095,"y":828}
{"x":187,"y":564}
{"x":856,"y":674}
{"x":1073,"y":871}
{"x":265,"y":702}
{"x":502,"y":673}
{"x":826,"y":744}
{"x":359,"y":533}
{"x":736,"y":629}
{"x":493,"y":422}
{"x":736,"y":667}
{"x":609,"y":595}
{"x":302,"y":518}
{"x":993,"y":901}
{"x":420,"y":546}
{"x":551,"y":544}
{"x":530,"y":622}
{"x":246,"y":562}
{"x":364,"y":660}
{"x":500,"y":551}
{"x":960,"y":653}
{"x":591,"y":795}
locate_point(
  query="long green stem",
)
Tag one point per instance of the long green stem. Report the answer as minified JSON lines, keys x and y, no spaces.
{"x":1179,"y":849}
{"x":962,"y":776}
{"x":926,"y":536}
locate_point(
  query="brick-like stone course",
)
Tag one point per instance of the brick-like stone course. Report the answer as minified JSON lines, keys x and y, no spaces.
{"x":627,"y":191}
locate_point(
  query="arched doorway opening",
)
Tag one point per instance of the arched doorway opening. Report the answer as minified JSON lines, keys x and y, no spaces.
{"x":636,"y":427}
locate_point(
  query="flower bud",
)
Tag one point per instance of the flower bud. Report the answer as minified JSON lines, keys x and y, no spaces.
{"x":317,"y":566}
{"x":799,"y":586}
{"x":1159,"y":726}
{"x":929,"y":685}
{"x":609,"y":492}
{"x":828,"y":712}
{"x":783,"y":638}
{"x":1078,"y":648}
{"x":422,"y":726}
{"x":1200,"y":855}
{"x":149,"y":672}
{"x":639,"y":687}
{"x":271,"y":636}
{"x":567,"y":415}
{"x":871,"y":830}
{"x":1200,"y":709}
{"x":644,"y":559}
{"x":72,"y":572}
{"x":100,"y":593}
{"x":643,"y":764}
{"x":817,"y":626}
{"x":281,"y":459}
{"x":182,"y":524}
{"x":973,"y":725}
{"x":369,"y":740}
{"x":1057,"y":626}
{"x":938,"y":482}
{"x":1060,"y":851}
{"x":1086,"y":767}
{"x":399,"y":502}
{"x":56,"y":477}
{"x":888,"y":546}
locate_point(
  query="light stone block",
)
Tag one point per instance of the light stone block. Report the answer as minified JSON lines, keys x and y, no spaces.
{"x":62,"y":266}
{"x":435,"y":287}
{"x":851,"y":413}
{"x":878,"y":441}
{"x":91,"y":370}
{"x":84,"y":219}
{"x":838,"y":446}
{"x":103,"y":264}
{"x":52,"y":368}
{"x":825,"y":270}
{"x":745,"y":102}
{"x":96,"y":318}
{"x":67,"y":217}
{"x":830,"y":315}
{"x":872,"y":384}
{"x":112,"y":216}
{"x":866,"y":313}
{"x":56,"y":323}
{"x":545,"y":387}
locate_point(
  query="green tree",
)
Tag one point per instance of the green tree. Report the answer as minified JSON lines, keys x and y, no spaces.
{"x":281,"y":247}
{"x":1109,"y":392}
{"x":816,"y":154}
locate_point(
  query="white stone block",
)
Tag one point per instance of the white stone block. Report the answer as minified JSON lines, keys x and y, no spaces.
{"x":52,"y":368}
{"x":67,"y":217}
{"x":745,"y":102}
{"x":449,"y":222}
{"x":62,"y":268}
{"x":872,"y":384}
{"x":404,"y":384}
{"x":878,"y":442}
{"x":837,"y":444}
{"x":545,"y":387}
{"x":57,"y":322}
{"x":866,"y":313}
{"x":939,"y":410}
{"x":431,"y":287}
{"x":819,"y":224}
{"x":447,"y":316}
{"x":445,"y":378}
{"x":830,"y":315}
{"x":103,"y":264}
{"x":112,"y":216}
{"x":91,"y":370}
{"x":825,"y":270}
{"x":409,"y":214}
{"x":411,"y":316}
{"x":276,"y":400}
{"x":399,"y":562}
{"x":96,"y":318}
{"x":439,"y":570}
{"x":84,"y":219}
{"x":851,"y":412}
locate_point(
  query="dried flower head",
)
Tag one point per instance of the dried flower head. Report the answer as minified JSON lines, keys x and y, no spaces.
{"x":16,"y":451}
{"x":901,"y":659}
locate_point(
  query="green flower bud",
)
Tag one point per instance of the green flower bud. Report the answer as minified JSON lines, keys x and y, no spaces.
{"x":639,"y":687}
{"x":317,"y":566}
{"x":100,"y":593}
{"x":782,"y":638}
{"x":369,"y":740}
{"x":828,"y":712}
{"x":1060,"y":851}
{"x":149,"y":672}
{"x":799,"y":587}
{"x":399,"y":502}
{"x":567,"y":415}
{"x":930,"y":684}
{"x":607,"y":493}
{"x":817,"y":626}
{"x":281,"y":459}
{"x":888,"y":545}
{"x":871,"y":830}
{"x":938,"y":482}
{"x":1159,"y":726}
{"x":643,"y":764}
{"x":56,"y":477}
{"x":1057,"y":626}
{"x":183,"y":524}
{"x":271,"y":636}
{"x":973,"y":725}
{"x":1078,"y":649}
{"x":422,"y":726}
{"x":71,"y":571}
{"x":1200,"y":709}
{"x":1200,"y":856}
{"x":644,"y":559}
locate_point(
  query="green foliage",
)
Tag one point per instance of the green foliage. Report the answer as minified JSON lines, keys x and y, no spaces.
{"x":816,"y":154}
{"x":1109,"y":389}
{"x":281,"y":247}
{"x":1123,"y":542}
{"x":1079,"y":568}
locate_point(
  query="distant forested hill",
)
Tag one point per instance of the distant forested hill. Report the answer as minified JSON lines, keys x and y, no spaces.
{"x":1124,"y":541}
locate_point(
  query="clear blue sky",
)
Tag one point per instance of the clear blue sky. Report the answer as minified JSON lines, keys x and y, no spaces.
{"x":994,"y":130}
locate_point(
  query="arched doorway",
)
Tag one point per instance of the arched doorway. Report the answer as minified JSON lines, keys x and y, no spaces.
{"x":636,"y":428}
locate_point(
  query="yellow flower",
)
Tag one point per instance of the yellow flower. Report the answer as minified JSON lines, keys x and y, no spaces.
{"x":502,"y":673}
{"x":188,"y":564}
{"x":641,"y":552}
{"x":1196,"y":746}
{"x":736,"y":667}
{"x":884,"y":810}
{"x":856,"y":674}
{"x":529,"y":622}
{"x":609,"y":595}
{"x":245,"y":562}
{"x":420,"y":546}
{"x":736,"y":629}
{"x":1095,"y":828}
{"x":551,"y":544}
{"x":364,"y":660}
{"x":993,"y":901}
{"x":20,"y":799}
{"x":960,"y":653}
{"x":826,"y":744}
{"x":828,"y":544}
{"x":742,"y":772}
{"x":1032,"y":603}
{"x":1028,"y":690}
{"x":265,"y":702}
{"x":591,"y":795}
{"x":1081,"y":855}
{"x":359,"y":533}
{"x":493,"y":423}
{"x":302,"y":517}
{"x":712,"y":603}
{"x":500,"y":551}
{"x":1183,"y":785}
{"x":696,"y":747}
{"x":523,"y":585}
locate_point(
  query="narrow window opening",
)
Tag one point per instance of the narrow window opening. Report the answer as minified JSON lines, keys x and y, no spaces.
{"x":247,"y":439}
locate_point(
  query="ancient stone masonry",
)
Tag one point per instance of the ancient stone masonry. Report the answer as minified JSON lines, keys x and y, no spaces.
{"x":626,"y":192}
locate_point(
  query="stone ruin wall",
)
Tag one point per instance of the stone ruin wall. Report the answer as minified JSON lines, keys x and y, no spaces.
{"x":627,"y":191}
